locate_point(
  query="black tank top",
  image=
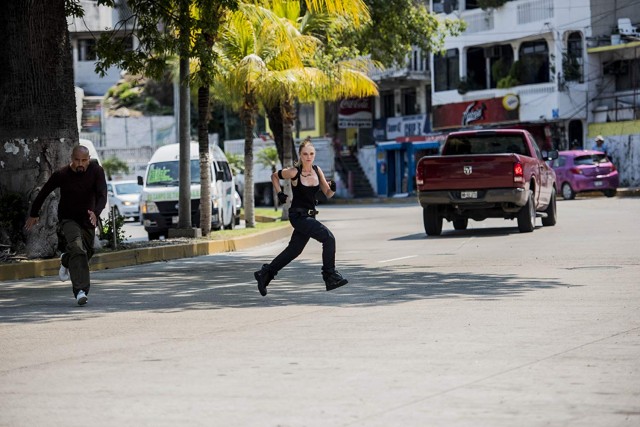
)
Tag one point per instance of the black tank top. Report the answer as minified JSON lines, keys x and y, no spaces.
{"x":304,"y":197}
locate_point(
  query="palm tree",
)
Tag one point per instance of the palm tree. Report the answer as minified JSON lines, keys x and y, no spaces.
{"x":321,"y":78}
{"x":252,"y":42}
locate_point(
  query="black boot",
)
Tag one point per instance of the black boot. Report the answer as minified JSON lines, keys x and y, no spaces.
{"x":334,"y":280}
{"x":263,"y":276}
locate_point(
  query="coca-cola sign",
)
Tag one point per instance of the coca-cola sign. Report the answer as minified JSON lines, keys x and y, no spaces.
{"x":355,"y":113}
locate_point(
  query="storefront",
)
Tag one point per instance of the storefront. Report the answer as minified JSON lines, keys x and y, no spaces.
{"x":396,"y":162}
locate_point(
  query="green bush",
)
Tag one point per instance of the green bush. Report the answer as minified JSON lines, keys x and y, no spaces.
{"x":106,"y":232}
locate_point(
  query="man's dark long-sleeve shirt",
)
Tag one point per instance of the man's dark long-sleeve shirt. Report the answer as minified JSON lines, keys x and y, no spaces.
{"x":79,"y":193}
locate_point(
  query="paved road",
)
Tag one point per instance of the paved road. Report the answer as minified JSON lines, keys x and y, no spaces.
{"x":486,"y":327}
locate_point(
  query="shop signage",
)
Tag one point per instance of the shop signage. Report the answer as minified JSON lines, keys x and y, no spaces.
{"x":355,"y":113}
{"x":407,"y":126}
{"x":476,"y":113}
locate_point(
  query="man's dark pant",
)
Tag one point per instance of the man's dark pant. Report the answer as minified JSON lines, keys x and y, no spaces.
{"x":78,"y":250}
{"x":305,"y":228}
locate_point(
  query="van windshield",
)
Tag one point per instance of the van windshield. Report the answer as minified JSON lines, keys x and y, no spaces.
{"x":168,"y":173}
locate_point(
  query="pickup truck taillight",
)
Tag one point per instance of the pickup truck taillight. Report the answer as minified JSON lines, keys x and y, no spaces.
{"x":518,"y":172}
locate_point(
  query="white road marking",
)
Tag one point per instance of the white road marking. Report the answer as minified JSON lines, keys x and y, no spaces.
{"x":397,"y":259}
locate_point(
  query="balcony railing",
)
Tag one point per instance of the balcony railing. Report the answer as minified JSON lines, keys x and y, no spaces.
{"x":416,"y":66}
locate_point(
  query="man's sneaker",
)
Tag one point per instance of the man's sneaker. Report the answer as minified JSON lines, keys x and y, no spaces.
{"x":81,"y":298}
{"x":63,"y":273}
{"x":263,"y":276}
{"x":334,"y":280}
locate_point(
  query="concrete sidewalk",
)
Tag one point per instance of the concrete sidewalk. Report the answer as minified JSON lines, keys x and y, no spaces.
{"x":127,"y":257}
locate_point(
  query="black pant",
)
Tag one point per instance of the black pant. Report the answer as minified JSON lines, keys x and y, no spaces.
{"x":307,"y":227}
{"x":78,"y":250}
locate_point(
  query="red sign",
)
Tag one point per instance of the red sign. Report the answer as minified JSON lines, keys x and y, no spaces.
{"x":355,"y":113}
{"x":472,"y":113}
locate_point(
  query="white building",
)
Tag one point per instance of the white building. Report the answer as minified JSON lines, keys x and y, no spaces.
{"x":530,"y":64}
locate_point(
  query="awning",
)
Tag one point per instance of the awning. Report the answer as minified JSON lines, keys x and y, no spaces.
{"x":614,"y":47}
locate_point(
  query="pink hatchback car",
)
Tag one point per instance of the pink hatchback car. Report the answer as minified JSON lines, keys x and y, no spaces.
{"x":578,"y":171}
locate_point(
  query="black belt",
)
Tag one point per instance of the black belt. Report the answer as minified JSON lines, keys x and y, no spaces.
{"x":304,"y":212}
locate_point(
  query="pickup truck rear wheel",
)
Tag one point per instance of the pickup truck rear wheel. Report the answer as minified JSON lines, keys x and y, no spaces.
{"x":461,"y":224}
{"x":527,"y":216}
{"x":432,"y":220}
{"x":552,"y":213}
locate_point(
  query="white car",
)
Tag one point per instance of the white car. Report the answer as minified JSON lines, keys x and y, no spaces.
{"x":124,"y":196}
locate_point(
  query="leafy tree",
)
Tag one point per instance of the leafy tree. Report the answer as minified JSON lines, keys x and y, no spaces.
{"x":166,"y":30}
{"x":114,"y":165}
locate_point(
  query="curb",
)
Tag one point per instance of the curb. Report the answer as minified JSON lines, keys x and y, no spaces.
{"x":128,"y":257}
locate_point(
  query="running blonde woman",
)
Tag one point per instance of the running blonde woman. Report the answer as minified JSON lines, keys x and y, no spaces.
{"x":306,"y":179}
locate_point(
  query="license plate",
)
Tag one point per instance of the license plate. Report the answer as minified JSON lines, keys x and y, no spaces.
{"x":468,"y":194}
{"x":175,"y":219}
{"x":597,"y":183}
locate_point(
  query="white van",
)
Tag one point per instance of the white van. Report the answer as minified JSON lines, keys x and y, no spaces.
{"x":160,"y":194}
{"x":93,"y":155}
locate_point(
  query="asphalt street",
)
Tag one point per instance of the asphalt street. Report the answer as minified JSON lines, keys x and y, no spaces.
{"x":483,"y":327}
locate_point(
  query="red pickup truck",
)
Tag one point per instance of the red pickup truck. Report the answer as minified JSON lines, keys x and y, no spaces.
{"x":487,"y":174}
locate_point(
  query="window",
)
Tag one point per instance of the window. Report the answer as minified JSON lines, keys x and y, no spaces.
{"x":446,"y":70}
{"x":87,"y":50}
{"x":409,"y":100}
{"x":626,"y":72}
{"x":388,"y":104}
{"x":307,"y":116}
{"x":572,"y":59}
{"x":534,"y":63}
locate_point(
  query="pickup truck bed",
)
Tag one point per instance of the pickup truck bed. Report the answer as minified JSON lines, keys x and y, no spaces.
{"x":487,"y":174}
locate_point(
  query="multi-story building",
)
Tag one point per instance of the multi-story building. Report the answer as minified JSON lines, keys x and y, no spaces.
{"x":528,"y":64}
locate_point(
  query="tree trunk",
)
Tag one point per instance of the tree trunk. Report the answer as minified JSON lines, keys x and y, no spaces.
{"x":38,"y":124}
{"x":184,"y":189}
{"x":274,"y":115}
{"x":288,"y":116}
{"x":248,"y":116}
{"x":205,"y":159}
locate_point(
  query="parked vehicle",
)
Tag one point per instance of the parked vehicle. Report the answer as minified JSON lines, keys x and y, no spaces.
{"x":578,"y":171}
{"x":94,"y":156}
{"x":263,"y":189}
{"x":487,"y":174}
{"x":238,"y":200}
{"x":124,"y":197}
{"x":159,"y":198}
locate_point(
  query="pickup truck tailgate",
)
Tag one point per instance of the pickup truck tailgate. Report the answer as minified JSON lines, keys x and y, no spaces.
{"x":467,"y":172}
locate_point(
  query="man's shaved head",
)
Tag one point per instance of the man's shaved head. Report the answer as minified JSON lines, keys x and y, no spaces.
{"x":80,"y":158}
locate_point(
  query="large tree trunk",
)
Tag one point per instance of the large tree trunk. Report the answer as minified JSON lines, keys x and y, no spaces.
{"x":184,"y":189}
{"x":274,"y":115}
{"x":205,"y":159}
{"x":288,"y":116}
{"x":248,"y":116}
{"x":38,"y":125}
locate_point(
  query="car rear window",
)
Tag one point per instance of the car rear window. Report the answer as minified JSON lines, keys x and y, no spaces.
{"x":591,"y":159}
{"x":485,"y":144}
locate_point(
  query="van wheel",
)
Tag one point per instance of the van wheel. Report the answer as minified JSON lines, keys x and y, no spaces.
{"x":155,"y":235}
{"x":527,"y":216}
{"x":432,"y":220}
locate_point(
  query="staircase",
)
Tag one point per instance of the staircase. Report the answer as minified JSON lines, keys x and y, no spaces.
{"x":351,"y":173}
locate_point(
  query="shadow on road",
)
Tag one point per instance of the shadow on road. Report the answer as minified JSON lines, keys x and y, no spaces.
{"x":208,"y":283}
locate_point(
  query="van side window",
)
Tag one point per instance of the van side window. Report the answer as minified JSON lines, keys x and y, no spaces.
{"x":224,"y":167}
